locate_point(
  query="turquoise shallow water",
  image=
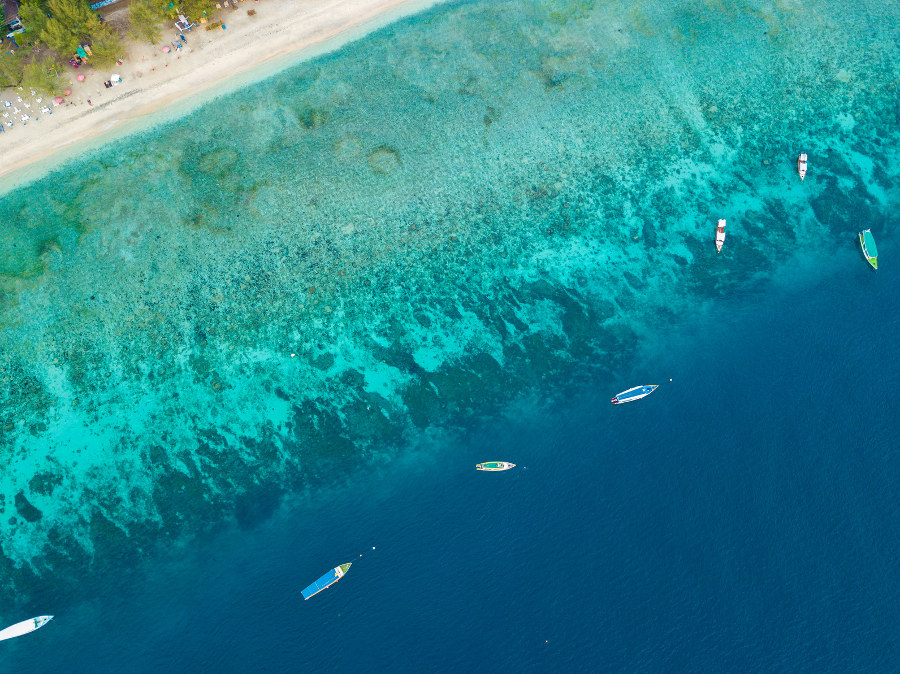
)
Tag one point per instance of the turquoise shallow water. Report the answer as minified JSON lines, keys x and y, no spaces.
{"x":328,"y":272}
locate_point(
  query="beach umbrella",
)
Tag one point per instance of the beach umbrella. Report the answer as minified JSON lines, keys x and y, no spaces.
{"x":58,"y":99}
{"x":80,"y":78}
{"x":67,"y":92}
{"x":166,"y":49}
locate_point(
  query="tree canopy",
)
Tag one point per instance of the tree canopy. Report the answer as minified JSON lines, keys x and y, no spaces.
{"x":40,"y":75}
{"x":145,"y":17}
{"x":11,"y":69}
{"x":63,"y":25}
{"x":106,"y":48}
{"x":33,"y":15}
{"x":70,"y":23}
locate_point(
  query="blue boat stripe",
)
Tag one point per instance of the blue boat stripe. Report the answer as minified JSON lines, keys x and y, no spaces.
{"x":329,"y":578}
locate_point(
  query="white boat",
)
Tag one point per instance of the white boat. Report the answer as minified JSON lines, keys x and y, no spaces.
{"x":801,"y":166}
{"x":720,"y":236}
{"x":25,"y":627}
{"x":495,"y":465}
{"x":634,"y":393}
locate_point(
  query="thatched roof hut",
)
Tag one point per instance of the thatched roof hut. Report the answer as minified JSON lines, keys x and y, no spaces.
{"x":10,"y":11}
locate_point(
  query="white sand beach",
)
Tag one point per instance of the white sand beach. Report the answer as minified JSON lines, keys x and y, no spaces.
{"x":153,"y":79}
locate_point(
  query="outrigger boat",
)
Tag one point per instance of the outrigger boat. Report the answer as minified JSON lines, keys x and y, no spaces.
{"x":25,"y":627}
{"x":801,"y":166}
{"x":327,"y":580}
{"x":635,"y":393}
{"x":720,"y":236}
{"x":495,"y":465}
{"x":867,"y":243}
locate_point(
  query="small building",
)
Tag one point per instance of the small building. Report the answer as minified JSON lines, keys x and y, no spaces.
{"x":11,"y":13}
{"x":11,"y":19}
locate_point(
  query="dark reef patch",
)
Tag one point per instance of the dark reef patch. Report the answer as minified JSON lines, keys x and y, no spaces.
{"x":384,"y":160}
{"x":313,"y":118}
{"x":44,"y":482}
{"x":255,"y":505}
{"x":839,"y":207}
{"x":25,"y":508}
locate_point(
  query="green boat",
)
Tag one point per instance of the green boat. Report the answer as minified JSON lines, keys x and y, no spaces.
{"x":867,"y":242}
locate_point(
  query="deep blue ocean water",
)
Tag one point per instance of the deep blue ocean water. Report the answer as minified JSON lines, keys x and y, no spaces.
{"x":742,"y":518}
{"x":304,"y":313}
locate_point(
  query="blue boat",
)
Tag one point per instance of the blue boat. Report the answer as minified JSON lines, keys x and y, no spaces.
{"x":327,"y":580}
{"x":634,"y":393}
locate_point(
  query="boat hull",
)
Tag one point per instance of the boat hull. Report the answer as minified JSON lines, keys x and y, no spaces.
{"x":494,"y":466}
{"x":328,"y":579}
{"x":25,"y":627}
{"x":801,"y":166}
{"x":720,"y":236}
{"x":634,"y":393}
{"x":867,"y":243}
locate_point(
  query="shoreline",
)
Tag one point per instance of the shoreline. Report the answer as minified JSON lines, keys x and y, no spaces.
{"x":210,"y":64}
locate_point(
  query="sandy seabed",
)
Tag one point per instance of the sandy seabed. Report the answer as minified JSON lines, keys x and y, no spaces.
{"x":153,"y":79}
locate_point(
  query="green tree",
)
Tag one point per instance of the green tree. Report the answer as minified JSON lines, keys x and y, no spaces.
{"x":11,"y":68}
{"x":76,"y":14}
{"x":39,"y":75}
{"x":106,"y":47}
{"x":70,"y":22}
{"x":145,"y":17}
{"x":33,"y":14}
{"x":59,"y":38}
{"x":193,"y":8}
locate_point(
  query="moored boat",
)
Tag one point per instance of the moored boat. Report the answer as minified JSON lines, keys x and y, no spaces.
{"x":25,"y":627}
{"x":720,"y":236}
{"x":801,"y":166}
{"x":328,"y":579}
{"x":495,"y":465}
{"x":867,"y":243}
{"x":634,"y":393}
